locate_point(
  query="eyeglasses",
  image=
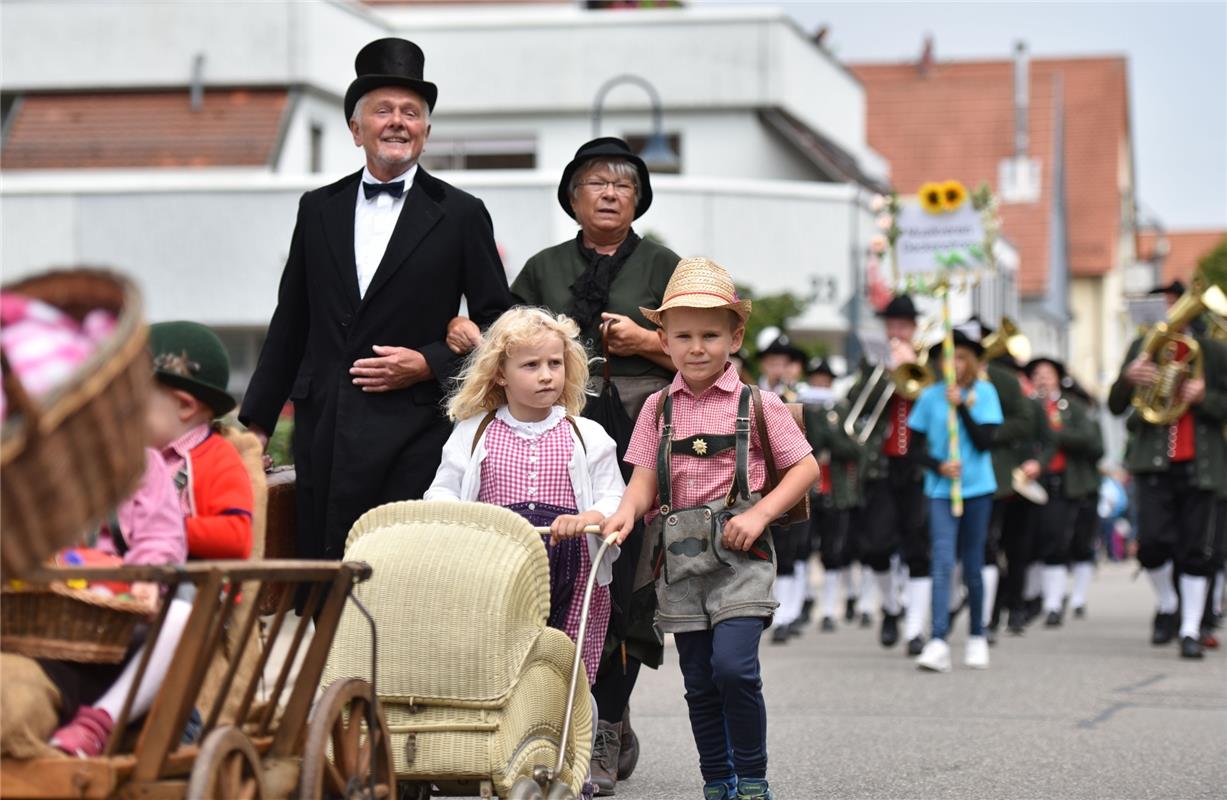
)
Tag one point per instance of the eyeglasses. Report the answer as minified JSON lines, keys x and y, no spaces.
{"x":597,"y":186}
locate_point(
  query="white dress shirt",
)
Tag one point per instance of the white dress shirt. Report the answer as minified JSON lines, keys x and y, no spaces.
{"x":374,"y":221}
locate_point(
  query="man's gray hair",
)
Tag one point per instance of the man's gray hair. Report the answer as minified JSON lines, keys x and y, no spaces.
{"x":362,"y":102}
{"x":620,"y":167}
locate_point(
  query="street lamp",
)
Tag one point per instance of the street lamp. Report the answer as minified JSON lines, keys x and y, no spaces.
{"x":656,"y":152}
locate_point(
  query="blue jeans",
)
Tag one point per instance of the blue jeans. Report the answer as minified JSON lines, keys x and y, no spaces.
{"x":724,"y":692}
{"x":964,"y":535}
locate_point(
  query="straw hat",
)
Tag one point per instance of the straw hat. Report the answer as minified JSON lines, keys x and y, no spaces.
{"x":699,"y":283}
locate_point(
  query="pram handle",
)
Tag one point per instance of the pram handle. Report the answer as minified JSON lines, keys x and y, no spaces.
{"x":609,"y":541}
{"x":544,"y":530}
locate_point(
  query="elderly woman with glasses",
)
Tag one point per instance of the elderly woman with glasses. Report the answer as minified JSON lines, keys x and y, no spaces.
{"x":602,"y":277}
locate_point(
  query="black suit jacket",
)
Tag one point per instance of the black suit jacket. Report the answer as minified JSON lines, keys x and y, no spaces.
{"x":355,"y":450}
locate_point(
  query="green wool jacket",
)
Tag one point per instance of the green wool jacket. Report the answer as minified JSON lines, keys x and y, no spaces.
{"x":1147,"y":448}
{"x":874,"y":459}
{"x":547,"y":278}
{"x":1013,"y":437}
{"x":824,"y":430}
{"x":1080,"y":440}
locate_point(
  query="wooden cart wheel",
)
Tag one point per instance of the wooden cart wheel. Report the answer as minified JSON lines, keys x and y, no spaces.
{"x":227,"y":767}
{"x":338,"y":722}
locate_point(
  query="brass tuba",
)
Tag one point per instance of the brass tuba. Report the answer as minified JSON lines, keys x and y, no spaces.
{"x":1160,"y":403}
{"x":1008,"y":338}
{"x":905,"y":380}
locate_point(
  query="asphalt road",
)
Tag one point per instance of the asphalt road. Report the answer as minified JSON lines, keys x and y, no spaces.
{"x":1089,"y":710}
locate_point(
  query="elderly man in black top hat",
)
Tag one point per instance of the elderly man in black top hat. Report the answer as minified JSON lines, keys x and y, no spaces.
{"x":377,"y":266}
{"x":894,"y":518}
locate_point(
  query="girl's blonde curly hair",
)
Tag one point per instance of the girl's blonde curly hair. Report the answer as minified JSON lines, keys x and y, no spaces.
{"x":478,"y":392}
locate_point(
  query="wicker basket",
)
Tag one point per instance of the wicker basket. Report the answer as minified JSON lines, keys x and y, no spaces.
{"x":68,"y":459}
{"x":55,"y":621}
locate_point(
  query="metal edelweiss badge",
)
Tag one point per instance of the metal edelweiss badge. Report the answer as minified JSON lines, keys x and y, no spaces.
{"x":699,"y":446}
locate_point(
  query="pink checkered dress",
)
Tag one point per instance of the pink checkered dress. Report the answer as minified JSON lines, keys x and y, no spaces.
{"x":530,"y":476}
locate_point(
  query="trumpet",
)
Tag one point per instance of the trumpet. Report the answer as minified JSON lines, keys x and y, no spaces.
{"x":1160,"y":403}
{"x":1008,"y":338}
{"x":905,"y":380}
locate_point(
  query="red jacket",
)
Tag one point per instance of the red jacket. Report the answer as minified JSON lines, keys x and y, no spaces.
{"x":221,"y":489}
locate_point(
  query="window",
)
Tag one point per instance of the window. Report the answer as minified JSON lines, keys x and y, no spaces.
{"x":480,"y":153}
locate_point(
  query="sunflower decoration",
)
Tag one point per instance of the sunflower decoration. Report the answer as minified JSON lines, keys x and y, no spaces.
{"x":931,"y":195}
{"x":953,"y":195}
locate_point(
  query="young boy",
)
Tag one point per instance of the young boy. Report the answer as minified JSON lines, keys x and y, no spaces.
{"x":713,"y":559}
{"x":192,"y":369}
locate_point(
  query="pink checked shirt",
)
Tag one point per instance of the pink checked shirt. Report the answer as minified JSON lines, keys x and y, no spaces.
{"x":178,"y":461}
{"x":699,"y":480}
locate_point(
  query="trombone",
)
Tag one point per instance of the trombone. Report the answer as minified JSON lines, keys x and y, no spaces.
{"x":905,"y":380}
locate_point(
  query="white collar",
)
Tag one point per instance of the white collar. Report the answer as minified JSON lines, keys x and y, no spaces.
{"x":407,"y":176}
{"x":531,"y":430}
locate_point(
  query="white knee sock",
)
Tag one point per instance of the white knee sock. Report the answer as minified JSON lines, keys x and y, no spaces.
{"x":1166,"y":599}
{"x":783,"y":591}
{"x":890,"y":601}
{"x":159,"y":664}
{"x":1054,"y":588}
{"x":849,"y":587}
{"x":801,"y":590}
{"x":1034,"y":583}
{"x":919,"y":592}
{"x":956,"y":586}
{"x":989,"y":575}
{"x":1083,"y":571}
{"x":1192,"y":604}
{"x":831,"y":581}
{"x":1217,"y":604}
{"x":865,"y":596}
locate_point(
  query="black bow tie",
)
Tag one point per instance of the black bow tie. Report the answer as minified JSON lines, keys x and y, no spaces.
{"x":395,"y":188}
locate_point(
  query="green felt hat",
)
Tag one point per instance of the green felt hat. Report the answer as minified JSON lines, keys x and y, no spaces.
{"x":189,"y":356}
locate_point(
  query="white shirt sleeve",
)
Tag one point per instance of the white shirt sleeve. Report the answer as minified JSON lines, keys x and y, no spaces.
{"x":450,"y":476}
{"x":607,"y":483}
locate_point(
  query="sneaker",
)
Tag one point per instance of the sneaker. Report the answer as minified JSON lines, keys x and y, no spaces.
{"x":828,"y":625}
{"x":86,"y":736}
{"x":1053,"y":620}
{"x":779,"y":634}
{"x":976,"y":654}
{"x":1163,"y":629}
{"x":756,"y":789}
{"x":720,"y":790}
{"x":915,"y":645}
{"x":605,"y":750}
{"x":889,"y":634}
{"x":1190,"y":647}
{"x":935,"y":657}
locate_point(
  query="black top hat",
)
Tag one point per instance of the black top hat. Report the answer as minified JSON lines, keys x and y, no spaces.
{"x":819,"y":366}
{"x":389,"y":62}
{"x":1035,"y":362}
{"x":1175,"y":287}
{"x":605,"y":147}
{"x":900,"y":307}
{"x":783,"y":346}
{"x":961,"y":339}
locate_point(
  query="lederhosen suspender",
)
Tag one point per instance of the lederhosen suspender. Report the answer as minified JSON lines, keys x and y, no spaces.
{"x":704,"y":446}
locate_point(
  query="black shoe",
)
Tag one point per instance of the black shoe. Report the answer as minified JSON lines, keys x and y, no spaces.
{"x":796,"y":627}
{"x":954,"y":612}
{"x":889,"y":634}
{"x":1080,"y":612}
{"x":807,"y":610}
{"x":1017,"y":622}
{"x":915,"y":646}
{"x":779,"y":634}
{"x":990,"y":634}
{"x":866,"y":620}
{"x":628,"y":756}
{"x":828,"y":625}
{"x":1053,"y":620}
{"x":1163,"y":630}
{"x":1033,"y":609}
{"x":1190,"y":647}
{"x":1213,"y":622}
{"x":850,"y":609}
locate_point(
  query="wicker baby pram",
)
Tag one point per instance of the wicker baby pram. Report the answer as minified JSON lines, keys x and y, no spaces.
{"x":473,"y":682}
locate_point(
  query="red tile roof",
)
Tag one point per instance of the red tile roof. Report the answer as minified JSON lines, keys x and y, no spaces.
{"x":234,"y":127}
{"x":1185,"y":250}
{"x":957,"y":121}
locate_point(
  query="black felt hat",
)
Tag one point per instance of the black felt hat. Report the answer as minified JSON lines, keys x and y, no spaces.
{"x":389,"y":62}
{"x":783,"y":346}
{"x":819,"y":366}
{"x":961,"y":339}
{"x":899,"y":307}
{"x":605,"y":147}
{"x":1035,"y":362}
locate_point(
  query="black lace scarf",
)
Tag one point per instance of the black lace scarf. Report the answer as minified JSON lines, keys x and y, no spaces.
{"x":590,"y":292}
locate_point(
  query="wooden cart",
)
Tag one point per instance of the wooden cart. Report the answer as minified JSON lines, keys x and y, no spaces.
{"x":268,"y":749}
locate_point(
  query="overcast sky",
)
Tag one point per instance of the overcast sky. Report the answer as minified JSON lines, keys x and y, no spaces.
{"x":1177,"y":73}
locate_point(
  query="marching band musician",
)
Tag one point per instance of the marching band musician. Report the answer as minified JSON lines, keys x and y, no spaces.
{"x":894,"y":517}
{"x":1069,"y":476}
{"x":1178,"y":468}
{"x":1086,"y":516}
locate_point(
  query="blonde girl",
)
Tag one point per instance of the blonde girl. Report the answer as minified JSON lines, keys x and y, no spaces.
{"x":519,"y":442}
